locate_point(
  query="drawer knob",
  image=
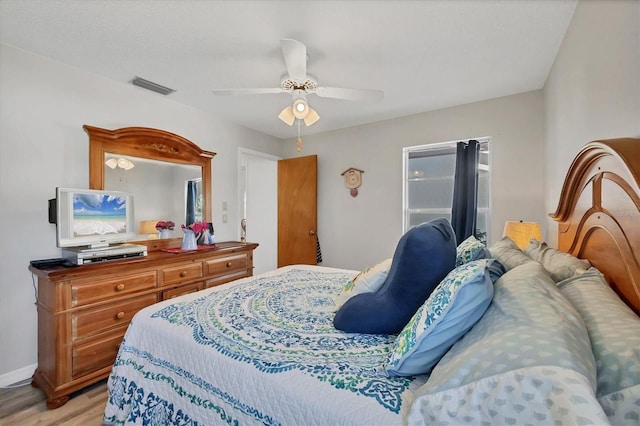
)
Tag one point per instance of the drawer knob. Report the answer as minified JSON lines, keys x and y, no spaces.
{"x":183,"y":274}
{"x":120,"y":315}
{"x":120,"y":287}
{"x":228,"y":264}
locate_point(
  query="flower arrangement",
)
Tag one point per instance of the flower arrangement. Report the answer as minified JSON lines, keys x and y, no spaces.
{"x":165,"y":224}
{"x":197,"y":227}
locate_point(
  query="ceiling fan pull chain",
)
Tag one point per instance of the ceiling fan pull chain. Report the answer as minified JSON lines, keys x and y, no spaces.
{"x":299,"y":141}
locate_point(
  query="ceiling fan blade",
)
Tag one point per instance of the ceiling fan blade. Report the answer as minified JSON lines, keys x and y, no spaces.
{"x":349,"y":94}
{"x":228,"y":92}
{"x":295,"y":56}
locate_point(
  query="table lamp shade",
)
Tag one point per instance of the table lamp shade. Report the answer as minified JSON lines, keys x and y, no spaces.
{"x":148,"y":227}
{"x":522,"y":232}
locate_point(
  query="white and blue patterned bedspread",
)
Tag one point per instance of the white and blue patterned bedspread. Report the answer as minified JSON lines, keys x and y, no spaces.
{"x":259,"y":351}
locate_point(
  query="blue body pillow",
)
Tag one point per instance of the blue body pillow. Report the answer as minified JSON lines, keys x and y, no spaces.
{"x":424,"y":256}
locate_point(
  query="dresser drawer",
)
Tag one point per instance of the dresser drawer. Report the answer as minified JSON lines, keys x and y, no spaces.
{"x":226,"y":265}
{"x":179,"y":291}
{"x":85,"y":292}
{"x":225,"y":279}
{"x":181,"y":273}
{"x":96,"y":354}
{"x":89,"y":322}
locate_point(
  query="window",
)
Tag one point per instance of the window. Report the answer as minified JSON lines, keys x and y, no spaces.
{"x":429,"y":172}
{"x":194,"y":200}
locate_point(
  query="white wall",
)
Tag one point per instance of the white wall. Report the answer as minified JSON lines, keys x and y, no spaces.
{"x":357,"y":232}
{"x":593,"y":89}
{"x":43,"y":105}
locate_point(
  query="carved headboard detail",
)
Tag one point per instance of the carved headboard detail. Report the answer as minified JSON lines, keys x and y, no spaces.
{"x":598,"y":213}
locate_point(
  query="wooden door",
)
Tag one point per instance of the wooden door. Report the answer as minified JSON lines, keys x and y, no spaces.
{"x":297,"y":210}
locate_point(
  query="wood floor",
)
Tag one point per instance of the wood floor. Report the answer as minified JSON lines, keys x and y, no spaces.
{"x":26,"y":405}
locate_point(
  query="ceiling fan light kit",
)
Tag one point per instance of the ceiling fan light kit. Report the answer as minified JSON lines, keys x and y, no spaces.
{"x":300,"y":110}
{"x":121,"y":162}
{"x":311,"y":117}
{"x":286,"y":115}
{"x":299,"y":84}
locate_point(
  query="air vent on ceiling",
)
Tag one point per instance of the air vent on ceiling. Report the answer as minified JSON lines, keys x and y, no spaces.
{"x":150,"y":85}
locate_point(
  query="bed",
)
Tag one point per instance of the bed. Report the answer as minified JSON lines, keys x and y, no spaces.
{"x":264,"y":350}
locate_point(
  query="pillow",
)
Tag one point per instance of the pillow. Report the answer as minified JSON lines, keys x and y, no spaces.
{"x":528,"y":360}
{"x":470,"y":249}
{"x":367,"y":281}
{"x":560,"y":265}
{"x":614,"y":331}
{"x":452,"y":309}
{"x":423,"y":257}
{"x":508,"y":253}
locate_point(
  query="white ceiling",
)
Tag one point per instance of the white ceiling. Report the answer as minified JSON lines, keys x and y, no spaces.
{"x":424,"y":55}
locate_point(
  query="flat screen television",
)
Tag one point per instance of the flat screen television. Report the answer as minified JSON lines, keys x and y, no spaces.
{"x":93,"y":218}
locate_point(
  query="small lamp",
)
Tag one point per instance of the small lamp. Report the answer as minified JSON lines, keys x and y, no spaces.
{"x":149,"y":227}
{"x":521,"y":232}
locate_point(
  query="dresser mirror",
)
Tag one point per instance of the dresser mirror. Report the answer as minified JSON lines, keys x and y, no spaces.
{"x":157,"y":167}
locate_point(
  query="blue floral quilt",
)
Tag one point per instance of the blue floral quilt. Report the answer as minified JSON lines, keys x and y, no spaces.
{"x":262,"y":350}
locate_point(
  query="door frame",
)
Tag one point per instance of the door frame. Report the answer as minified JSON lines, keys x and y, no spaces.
{"x":242,"y":152}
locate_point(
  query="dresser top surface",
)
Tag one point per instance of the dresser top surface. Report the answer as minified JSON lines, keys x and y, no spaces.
{"x":153,"y":260}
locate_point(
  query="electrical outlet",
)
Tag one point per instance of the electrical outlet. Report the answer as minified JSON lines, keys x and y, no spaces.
{"x":225,"y":206}
{"x":225,"y":218}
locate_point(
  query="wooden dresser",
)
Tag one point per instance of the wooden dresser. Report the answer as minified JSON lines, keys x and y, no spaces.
{"x":83,"y":312}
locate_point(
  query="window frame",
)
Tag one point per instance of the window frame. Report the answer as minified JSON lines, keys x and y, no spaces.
{"x":446,"y":148}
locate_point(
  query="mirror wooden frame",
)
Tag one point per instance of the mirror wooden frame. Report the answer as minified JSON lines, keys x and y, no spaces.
{"x":153,"y":144}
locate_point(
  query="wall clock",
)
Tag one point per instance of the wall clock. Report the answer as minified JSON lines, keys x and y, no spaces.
{"x":353,"y":180}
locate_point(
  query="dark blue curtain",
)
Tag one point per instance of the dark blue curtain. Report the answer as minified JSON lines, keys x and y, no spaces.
{"x":465,"y":190}
{"x":191,"y":203}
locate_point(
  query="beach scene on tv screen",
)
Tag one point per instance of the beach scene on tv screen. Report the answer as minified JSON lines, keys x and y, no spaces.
{"x":98,"y":214}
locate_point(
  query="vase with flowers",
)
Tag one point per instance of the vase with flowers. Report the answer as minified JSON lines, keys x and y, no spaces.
{"x":191,"y":234}
{"x":165,"y":227}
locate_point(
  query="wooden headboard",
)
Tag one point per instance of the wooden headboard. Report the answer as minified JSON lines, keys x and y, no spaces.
{"x":598,"y":213}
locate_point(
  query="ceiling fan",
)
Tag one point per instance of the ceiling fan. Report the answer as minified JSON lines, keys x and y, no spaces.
{"x":300,"y":84}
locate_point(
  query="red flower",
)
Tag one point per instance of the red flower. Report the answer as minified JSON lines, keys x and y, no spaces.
{"x":197,"y":227}
{"x":165,"y":224}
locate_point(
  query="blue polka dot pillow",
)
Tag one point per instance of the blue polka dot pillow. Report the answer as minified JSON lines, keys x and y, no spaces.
{"x":528,"y":360}
{"x":559,"y":265}
{"x":456,"y":304}
{"x":614,"y":331}
{"x":508,"y":253}
{"x":470,"y":249}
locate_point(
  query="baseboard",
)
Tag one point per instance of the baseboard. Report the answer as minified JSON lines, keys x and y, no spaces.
{"x":18,"y":375}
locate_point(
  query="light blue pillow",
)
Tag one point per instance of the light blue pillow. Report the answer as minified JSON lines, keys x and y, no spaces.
{"x":452,"y":309}
{"x":470,"y":249}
